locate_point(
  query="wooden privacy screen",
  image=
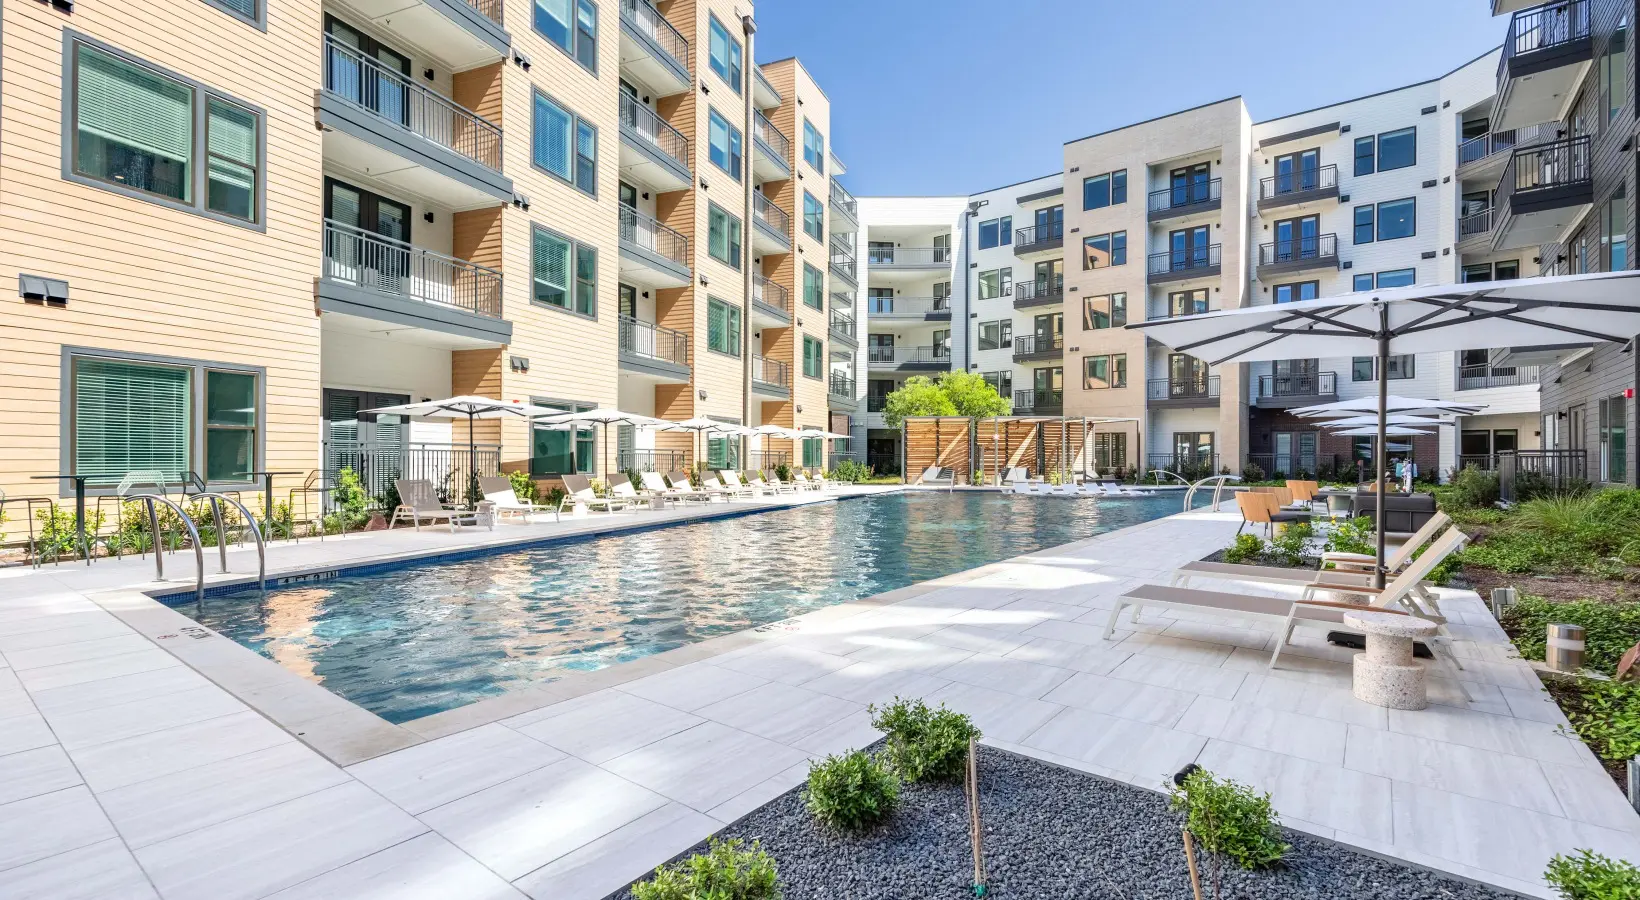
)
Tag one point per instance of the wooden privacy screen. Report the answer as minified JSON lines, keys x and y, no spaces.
{"x":939,"y":441}
{"x":993,"y":446}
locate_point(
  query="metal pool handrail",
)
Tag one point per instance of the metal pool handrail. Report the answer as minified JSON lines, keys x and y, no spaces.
{"x":1218,"y":488}
{"x":193,"y":533}
{"x":222,"y":540}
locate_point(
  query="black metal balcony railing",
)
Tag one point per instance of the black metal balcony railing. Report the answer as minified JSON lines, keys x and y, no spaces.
{"x":647,"y":339}
{"x":771,"y":371}
{"x":876,"y":403}
{"x":775,"y":139}
{"x":840,"y":385}
{"x":1029,"y":345}
{"x":1307,"y":384}
{"x":396,"y":98}
{"x":843,"y":200}
{"x":773,"y":216}
{"x":1039,"y":292}
{"x":490,"y":8}
{"x":1038,"y":401}
{"x":1176,"y":261}
{"x":842,"y":322}
{"x":771,"y":294}
{"x":1321,"y":249}
{"x":1189,"y":466}
{"x":368,"y":260}
{"x":1544,"y":27}
{"x":648,"y":126}
{"x":908,"y":256}
{"x":1475,"y":225}
{"x":1300,"y":181}
{"x":1180,"y":197}
{"x":759,"y":460}
{"x":649,"y":460}
{"x":1039,"y":237}
{"x":842,"y":259}
{"x":1562,"y":469}
{"x":908,"y":356}
{"x":1205,"y":388}
{"x":1478,"y":148}
{"x":646,"y":233}
{"x":1556,"y":164}
{"x":648,"y":20}
{"x":1472,"y":378}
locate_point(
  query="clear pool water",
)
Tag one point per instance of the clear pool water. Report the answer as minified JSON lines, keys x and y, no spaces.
{"x":417,"y":640}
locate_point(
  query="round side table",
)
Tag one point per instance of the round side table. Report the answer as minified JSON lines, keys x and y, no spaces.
{"x":1386,"y":674}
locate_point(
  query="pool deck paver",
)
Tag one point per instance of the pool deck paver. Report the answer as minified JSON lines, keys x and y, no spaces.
{"x":138,"y":763}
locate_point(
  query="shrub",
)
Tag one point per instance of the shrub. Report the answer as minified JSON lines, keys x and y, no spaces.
{"x":852,"y":791}
{"x":1473,"y":488}
{"x":1606,"y":716}
{"x":783,"y":472}
{"x":1292,"y":545}
{"x":924,"y":744}
{"x":1246,"y":547}
{"x":523,"y":486}
{"x":1354,"y":536}
{"x":851,"y":471}
{"x":350,"y":497}
{"x":1609,"y":629}
{"x":1230,"y":819}
{"x":1590,"y":876}
{"x":555,"y":496}
{"x":723,"y":872}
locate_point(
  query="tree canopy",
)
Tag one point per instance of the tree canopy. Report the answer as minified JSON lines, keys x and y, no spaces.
{"x":954,"y":394}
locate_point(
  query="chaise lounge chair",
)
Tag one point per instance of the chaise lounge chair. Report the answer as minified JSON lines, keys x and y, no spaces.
{"x":418,"y":500}
{"x":655,"y":486}
{"x":731,"y":480}
{"x":500,"y":492}
{"x":778,"y":486}
{"x":712,"y":485}
{"x":578,"y":490}
{"x":804,"y":484}
{"x":685,"y":489}
{"x":937,"y":475}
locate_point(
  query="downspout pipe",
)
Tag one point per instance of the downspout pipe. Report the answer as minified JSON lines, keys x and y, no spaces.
{"x":749,"y":26}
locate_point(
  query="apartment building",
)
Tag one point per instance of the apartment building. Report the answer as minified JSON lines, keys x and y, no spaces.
{"x":1563,"y":125}
{"x":236,"y":224}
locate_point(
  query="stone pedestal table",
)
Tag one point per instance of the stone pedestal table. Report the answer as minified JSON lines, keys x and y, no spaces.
{"x":1386,"y":674}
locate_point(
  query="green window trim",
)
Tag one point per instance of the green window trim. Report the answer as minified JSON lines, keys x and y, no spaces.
{"x":555,"y":452}
{"x":723,"y":235}
{"x":564,"y":273}
{"x":814,"y":287}
{"x":814,"y":217}
{"x":814,"y":357}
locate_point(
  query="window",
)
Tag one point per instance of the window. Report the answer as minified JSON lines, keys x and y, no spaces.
{"x":1614,"y":446}
{"x":723,"y":53}
{"x":814,"y":213}
{"x":134,"y":131}
{"x":996,"y":232}
{"x":1502,"y":270}
{"x":1397,"y":219}
{"x":1362,"y":368}
{"x":1364,"y":224}
{"x":942,"y":293}
{"x":1397,"y":149}
{"x":996,"y":335}
{"x":1108,"y":311}
{"x":555,"y":451}
{"x":127,"y":414}
{"x":1364,"y":155}
{"x":722,"y":235}
{"x":995,"y":283}
{"x":572,"y":25}
{"x":1614,"y":72}
{"x":814,"y":147}
{"x":552,"y":254}
{"x":1104,"y":190}
{"x":722,"y":327}
{"x":564,"y":144}
{"x":249,"y":10}
{"x":814,"y":359}
{"x":1110,"y":450}
{"x":723,"y":144}
{"x":1102,"y":250}
{"x":814,"y":287}
{"x":1397,"y":278}
{"x":1001,"y":382}
{"x":1362,"y":282}
{"x":1303,"y":290}
{"x":1101,"y":372}
{"x":1614,"y":231}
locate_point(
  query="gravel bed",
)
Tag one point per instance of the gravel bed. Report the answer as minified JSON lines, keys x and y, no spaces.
{"x":1052,"y":833}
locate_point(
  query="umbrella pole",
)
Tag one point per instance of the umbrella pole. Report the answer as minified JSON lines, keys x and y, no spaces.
{"x":1383,"y":434}
{"x":472,"y":460}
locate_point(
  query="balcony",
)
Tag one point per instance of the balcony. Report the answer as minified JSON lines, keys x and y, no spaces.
{"x":764,"y":96}
{"x":653,"y":353}
{"x":409,"y":137}
{"x":842,"y":327}
{"x":771,"y":227}
{"x":1304,"y":389}
{"x":1039,"y":403}
{"x":771,"y":377}
{"x":1475,"y":229}
{"x":1169,"y":308}
{"x":652,"y":255}
{"x":772,"y":150}
{"x":903,"y":359}
{"x":1037,"y":241}
{"x":1296,"y":190}
{"x":1546,"y":54}
{"x":842,"y":262}
{"x":840,"y":387}
{"x":1480,"y":378}
{"x":1482,"y":158}
{"x":845,"y":218}
{"x":771,"y":304}
{"x":653,"y":153}
{"x":909,"y":258}
{"x":464,"y":33}
{"x":449,"y":302}
{"x":1297,"y":255}
{"x":915,"y":309}
{"x":1169,"y":393}
{"x":1045,"y":292}
{"x":652,"y":50}
{"x":1186,"y":199}
{"x":1544,"y":190}
{"x":1032,"y":347}
{"x":1182,"y":265}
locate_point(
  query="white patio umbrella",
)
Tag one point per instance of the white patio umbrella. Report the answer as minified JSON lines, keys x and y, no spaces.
{"x":1391,"y":431}
{"x":1408,"y":406}
{"x":810,"y":433}
{"x":465,"y":407}
{"x":602,"y":417}
{"x":1392,"y":420}
{"x":1419,"y":319}
{"x":702,"y":425}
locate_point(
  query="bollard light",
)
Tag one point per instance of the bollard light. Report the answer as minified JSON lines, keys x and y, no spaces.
{"x":1634,"y":783}
{"x":1564,"y":650}
{"x":1502,"y":599}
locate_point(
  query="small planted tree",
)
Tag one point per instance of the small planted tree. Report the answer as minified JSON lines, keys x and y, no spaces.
{"x":919,"y":396}
{"x":924,"y":744}
{"x":1229,"y":820}
{"x":852,"y":791}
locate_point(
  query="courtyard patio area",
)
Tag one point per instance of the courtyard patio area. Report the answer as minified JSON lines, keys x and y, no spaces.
{"x":144,"y":756}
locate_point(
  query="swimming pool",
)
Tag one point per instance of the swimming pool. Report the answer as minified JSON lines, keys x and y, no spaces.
{"x":424,"y":638}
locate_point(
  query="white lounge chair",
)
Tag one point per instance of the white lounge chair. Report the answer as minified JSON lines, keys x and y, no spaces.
{"x":578,"y":490}
{"x":622,"y":489}
{"x":731,"y":480}
{"x":499,"y":491}
{"x":778,"y":486}
{"x":685,"y":489}
{"x":937,"y":475}
{"x":654,"y":485}
{"x":804,"y":484}
{"x":712,"y":485}
{"x":1392,"y":563}
{"x":418,"y":500}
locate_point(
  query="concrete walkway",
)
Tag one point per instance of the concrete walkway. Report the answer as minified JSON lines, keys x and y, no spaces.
{"x":143,"y":757}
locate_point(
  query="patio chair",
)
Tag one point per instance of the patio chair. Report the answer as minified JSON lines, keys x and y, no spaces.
{"x":46,"y":504}
{"x":622,"y":489}
{"x":655,"y":486}
{"x":1363,"y":562}
{"x":500,"y":491}
{"x":578,"y":490}
{"x":685,"y":488}
{"x":938,"y":475}
{"x":139,"y":481}
{"x":1264,"y":509}
{"x":418,"y":500}
{"x":731,"y":479}
{"x":313,"y":487}
{"x":1399,"y":596}
{"x":776,"y":485}
{"x":803,"y":483}
{"x":734,"y":491}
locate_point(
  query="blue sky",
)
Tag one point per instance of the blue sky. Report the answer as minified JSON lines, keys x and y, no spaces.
{"x":945,"y":97}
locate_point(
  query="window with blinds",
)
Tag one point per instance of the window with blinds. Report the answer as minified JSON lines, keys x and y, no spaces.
{"x":129,"y":416}
{"x":814,"y":287}
{"x":564,"y":144}
{"x":722,"y":235}
{"x":249,"y":10}
{"x":550,"y":260}
{"x":135,"y":127}
{"x":722,"y":327}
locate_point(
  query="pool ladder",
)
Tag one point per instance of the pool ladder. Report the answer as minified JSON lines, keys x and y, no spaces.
{"x":149,"y":502}
{"x":1218,"y":489}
